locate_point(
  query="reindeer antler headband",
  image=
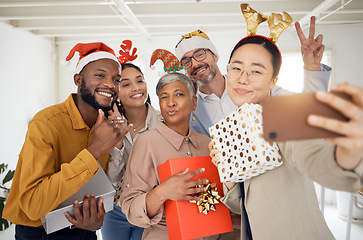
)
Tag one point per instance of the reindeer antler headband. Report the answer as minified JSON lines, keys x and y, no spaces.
{"x":275,"y":29}
{"x":125,"y":52}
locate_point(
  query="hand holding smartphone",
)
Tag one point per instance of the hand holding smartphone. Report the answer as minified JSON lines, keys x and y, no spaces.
{"x":285,"y":117}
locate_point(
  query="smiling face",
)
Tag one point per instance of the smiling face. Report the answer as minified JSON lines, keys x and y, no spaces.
{"x":202,"y":71}
{"x":176,"y":104}
{"x":242,"y":89}
{"x":98,"y":83}
{"x":133,"y":88}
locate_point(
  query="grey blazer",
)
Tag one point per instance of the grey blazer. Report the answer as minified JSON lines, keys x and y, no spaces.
{"x":200,"y":121}
{"x":282,"y":203}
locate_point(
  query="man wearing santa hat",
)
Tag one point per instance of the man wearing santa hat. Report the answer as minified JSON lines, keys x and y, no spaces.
{"x":63,"y":147}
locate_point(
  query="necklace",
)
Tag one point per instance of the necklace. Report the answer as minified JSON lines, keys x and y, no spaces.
{"x":138,"y":126}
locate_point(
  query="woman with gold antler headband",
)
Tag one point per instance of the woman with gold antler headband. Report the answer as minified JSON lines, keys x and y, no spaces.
{"x":281,"y":203}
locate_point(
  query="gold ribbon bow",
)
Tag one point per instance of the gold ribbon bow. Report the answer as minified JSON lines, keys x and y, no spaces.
{"x":209,"y":198}
{"x":196,"y":33}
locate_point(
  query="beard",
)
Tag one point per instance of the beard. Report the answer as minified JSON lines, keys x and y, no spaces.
{"x":210,"y":77}
{"x":90,"y":98}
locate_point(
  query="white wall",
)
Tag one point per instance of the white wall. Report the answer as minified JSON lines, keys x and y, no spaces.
{"x":27,"y":85}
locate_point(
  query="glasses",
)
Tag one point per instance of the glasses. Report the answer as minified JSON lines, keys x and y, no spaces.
{"x":255,"y":73}
{"x":198,"y":55}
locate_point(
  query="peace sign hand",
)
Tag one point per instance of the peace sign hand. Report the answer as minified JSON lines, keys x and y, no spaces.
{"x":311,"y":49}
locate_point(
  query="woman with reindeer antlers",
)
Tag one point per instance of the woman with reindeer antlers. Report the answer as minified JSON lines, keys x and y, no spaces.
{"x":135,"y":106}
{"x":282,"y":203}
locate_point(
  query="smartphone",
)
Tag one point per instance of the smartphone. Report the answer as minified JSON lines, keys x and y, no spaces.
{"x":285,"y":117}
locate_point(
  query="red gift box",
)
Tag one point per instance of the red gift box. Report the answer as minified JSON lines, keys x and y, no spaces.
{"x":183,"y":219}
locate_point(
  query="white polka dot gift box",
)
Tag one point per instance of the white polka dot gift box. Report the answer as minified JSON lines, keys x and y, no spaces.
{"x":244,"y":153}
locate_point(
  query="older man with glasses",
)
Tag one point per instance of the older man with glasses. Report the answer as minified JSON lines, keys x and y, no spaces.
{"x":199,"y":57}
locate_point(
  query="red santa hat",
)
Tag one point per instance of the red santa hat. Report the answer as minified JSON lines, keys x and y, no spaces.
{"x":89,"y":52}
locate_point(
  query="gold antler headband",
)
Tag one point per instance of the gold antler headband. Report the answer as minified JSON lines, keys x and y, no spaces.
{"x":252,"y":22}
{"x":275,"y":29}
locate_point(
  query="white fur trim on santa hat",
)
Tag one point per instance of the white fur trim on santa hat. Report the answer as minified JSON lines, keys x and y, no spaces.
{"x":192,"y":43}
{"x":93,"y":57}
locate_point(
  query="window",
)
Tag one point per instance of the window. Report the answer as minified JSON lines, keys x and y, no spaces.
{"x":291,"y":74}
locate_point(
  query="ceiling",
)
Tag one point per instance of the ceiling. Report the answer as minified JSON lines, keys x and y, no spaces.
{"x":77,"y":20}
